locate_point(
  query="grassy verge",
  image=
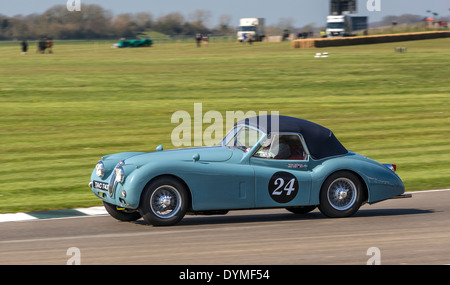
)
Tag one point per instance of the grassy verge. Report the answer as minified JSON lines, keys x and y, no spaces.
{"x":61,"y":112}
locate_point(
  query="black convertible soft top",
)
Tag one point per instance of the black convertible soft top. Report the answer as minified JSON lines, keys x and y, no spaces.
{"x":321,"y":141}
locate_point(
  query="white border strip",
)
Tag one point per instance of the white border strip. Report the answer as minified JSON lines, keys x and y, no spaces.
{"x":16,"y":217}
{"x":93,"y":211}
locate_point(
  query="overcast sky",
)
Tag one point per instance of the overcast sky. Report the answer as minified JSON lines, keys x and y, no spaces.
{"x":301,"y":11}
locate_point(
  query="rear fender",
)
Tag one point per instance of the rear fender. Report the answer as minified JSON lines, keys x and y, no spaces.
{"x":380,"y":182}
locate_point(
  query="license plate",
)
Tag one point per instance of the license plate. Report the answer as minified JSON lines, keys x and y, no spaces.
{"x":101,"y":185}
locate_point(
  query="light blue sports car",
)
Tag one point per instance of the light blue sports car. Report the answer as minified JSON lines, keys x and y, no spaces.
{"x":263,"y":162}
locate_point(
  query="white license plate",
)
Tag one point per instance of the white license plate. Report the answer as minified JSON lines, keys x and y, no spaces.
{"x":101,"y":185}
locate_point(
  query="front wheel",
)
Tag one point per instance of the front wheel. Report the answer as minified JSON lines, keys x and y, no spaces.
{"x":341,"y":195}
{"x":164,"y":202}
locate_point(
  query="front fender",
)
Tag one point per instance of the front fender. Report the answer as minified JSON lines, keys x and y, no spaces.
{"x":137,"y":178}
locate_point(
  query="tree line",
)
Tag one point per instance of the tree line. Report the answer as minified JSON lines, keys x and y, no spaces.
{"x":95,"y":22}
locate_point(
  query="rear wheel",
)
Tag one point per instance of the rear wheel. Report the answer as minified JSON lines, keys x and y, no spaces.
{"x":164,"y":202}
{"x":121,"y":214}
{"x":341,"y":195}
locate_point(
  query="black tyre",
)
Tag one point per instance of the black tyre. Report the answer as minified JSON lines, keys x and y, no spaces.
{"x":301,"y":209}
{"x":341,"y":195}
{"x":121,"y":215}
{"x":164,"y":202}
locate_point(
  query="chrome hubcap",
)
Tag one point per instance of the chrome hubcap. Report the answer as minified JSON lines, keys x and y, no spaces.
{"x":165,"y":201}
{"x":342,"y":194}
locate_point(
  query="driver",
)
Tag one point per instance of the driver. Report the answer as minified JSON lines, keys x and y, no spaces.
{"x":281,"y":151}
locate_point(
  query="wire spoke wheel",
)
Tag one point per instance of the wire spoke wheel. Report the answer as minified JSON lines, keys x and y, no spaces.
{"x":165,"y":201}
{"x":342,"y":194}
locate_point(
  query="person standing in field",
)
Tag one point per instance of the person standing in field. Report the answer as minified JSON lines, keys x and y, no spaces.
{"x":24,"y":46}
{"x":205,"y":40}
{"x":41,"y":45}
{"x":198,"y":39}
{"x":49,"y":45}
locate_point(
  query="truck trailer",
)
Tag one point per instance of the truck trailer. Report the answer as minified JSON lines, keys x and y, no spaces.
{"x":345,"y":25}
{"x":251,"y":29}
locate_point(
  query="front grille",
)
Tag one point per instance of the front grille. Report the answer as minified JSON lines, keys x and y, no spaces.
{"x":112,"y":184}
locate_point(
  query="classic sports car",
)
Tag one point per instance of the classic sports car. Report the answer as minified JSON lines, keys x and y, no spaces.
{"x":263,"y":162}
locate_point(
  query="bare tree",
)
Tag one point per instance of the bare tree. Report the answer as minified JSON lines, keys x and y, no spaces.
{"x":123,"y":25}
{"x":286,"y":23}
{"x":225,"y":27}
{"x":200,"y":17}
{"x":171,"y":24}
{"x":143,"y":20}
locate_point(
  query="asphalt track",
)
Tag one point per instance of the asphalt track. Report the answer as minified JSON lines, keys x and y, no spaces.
{"x":399,"y":231}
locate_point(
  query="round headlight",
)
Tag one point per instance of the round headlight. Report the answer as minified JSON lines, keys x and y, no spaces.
{"x":120,"y":174}
{"x":100,"y":169}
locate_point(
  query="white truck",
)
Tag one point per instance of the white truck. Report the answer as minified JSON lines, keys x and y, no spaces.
{"x":251,"y":29}
{"x":345,"y":25}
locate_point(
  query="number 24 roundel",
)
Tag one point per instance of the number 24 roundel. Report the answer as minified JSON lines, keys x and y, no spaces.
{"x":283,"y":187}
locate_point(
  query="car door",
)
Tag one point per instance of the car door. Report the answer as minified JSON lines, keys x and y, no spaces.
{"x":282,"y":175}
{"x":216,"y":186}
{"x":230,"y":184}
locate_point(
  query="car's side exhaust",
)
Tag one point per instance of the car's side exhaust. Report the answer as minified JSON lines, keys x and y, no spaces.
{"x":402,"y":196}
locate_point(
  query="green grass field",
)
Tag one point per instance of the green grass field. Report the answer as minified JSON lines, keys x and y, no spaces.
{"x":61,"y":112}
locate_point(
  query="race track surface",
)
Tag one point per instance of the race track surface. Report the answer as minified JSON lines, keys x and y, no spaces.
{"x":400,"y":231}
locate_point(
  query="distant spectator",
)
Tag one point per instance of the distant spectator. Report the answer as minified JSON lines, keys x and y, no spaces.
{"x":49,"y":45}
{"x":24,"y":46}
{"x":205,"y":40}
{"x":41,"y":45}
{"x":198,"y":39}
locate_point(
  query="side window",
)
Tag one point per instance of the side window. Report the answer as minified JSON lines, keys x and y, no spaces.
{"x":282,"y":146}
